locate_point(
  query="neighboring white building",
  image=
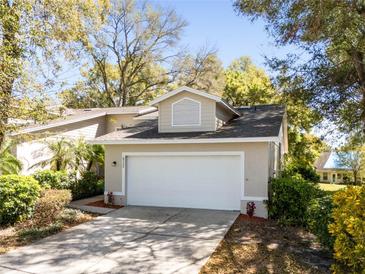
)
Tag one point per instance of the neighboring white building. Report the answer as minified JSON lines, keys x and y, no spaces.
{"x":330,"y":170}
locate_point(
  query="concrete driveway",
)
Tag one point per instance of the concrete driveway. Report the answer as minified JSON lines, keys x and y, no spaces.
{"x":128,"y":240}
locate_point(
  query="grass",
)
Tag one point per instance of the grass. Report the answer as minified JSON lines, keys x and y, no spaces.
{"x":266,"y":247}
{"x":15,"y":236}
{"x":331,"y":187}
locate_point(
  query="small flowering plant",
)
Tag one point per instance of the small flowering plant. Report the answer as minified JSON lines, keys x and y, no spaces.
{"x":110,"y":198}
{"x":250,"y":208}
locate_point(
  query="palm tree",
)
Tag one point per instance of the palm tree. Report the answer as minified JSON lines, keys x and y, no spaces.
{"x":9,"y":164}
{"x":87,"y":155}
{"x":62,"y":155}
{"x":96,"y":156}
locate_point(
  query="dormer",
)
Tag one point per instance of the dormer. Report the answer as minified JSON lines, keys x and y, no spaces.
{"x":190,"y":110}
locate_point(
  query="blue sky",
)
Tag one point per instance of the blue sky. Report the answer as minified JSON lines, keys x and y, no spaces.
{"x":215,"y":22}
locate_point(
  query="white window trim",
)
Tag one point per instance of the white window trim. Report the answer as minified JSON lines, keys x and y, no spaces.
{"x":192,"y":153}
{"x":188,"y":125}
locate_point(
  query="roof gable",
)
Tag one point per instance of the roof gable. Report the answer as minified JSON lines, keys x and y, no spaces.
{"x":328,"y":161}
{"x":204,"y":94}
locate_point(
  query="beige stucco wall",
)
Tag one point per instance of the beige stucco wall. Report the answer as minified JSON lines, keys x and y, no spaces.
{"x":256,"y":162}
{"x":208,"y":118}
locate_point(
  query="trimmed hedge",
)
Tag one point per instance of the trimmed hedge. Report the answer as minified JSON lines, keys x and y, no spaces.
{"x":18,"y":196}
{"x":318,"y":219}
{"x":88,"y":185}
{"x":348,"y":228}
{"x":53,"y":179}
{"x":290,"y":199}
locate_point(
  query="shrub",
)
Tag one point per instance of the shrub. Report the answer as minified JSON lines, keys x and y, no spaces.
{"x":49,"y":206}
{"x":88,"y":185}
{"x":290,"y":198}
{"x":348,"y":227}
{"x":319,"y":218}
{"x":53,"y":179}
{"x":306,"y":172}
{"x":71,"y":216}
{"x":18,"y":195}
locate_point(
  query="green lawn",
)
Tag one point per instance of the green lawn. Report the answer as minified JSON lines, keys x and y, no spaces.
{"x":331,"y":187}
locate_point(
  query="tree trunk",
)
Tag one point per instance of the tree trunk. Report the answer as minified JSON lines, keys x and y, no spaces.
{"x":355,"y":177}
{"x":9,"y":62}
{"x":89,"y":165}
{"x":358,"y":58}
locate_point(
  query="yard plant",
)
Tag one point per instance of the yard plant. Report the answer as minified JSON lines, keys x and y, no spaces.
{"x":49,"y":206}
{"x":319,"y":216}
{"x":348,"y":228}
{"x":18,"y":196}
{"x":53,"y":179}
{"x":81,"y":186}
{"x":88,"y":185}
{"x":290,"y":199}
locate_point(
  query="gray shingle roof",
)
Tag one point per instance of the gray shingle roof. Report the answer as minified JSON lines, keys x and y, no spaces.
{"x":255,"y":121}
{"x":77,"y":115}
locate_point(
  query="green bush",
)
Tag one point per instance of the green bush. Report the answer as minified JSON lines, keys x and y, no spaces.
{"x":319,"y":218}
{"x":49,"y":206}
{"x":348,"y":228}
{"x":53,"y":179}
{"x":18,"y":196}
{"x":88,"y":185}
{"x":290,"y":198}
{"x":306,"y":172}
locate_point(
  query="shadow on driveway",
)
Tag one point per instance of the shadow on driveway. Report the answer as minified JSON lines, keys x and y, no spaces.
{"x":128,"y":240}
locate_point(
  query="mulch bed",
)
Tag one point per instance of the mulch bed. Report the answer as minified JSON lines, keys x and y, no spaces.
{"x":256,"y":245}
{"x":244,"y":217}
{"x":101,"y":203}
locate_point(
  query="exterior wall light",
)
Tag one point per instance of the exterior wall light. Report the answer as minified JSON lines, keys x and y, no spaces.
{"x":114,"y":163}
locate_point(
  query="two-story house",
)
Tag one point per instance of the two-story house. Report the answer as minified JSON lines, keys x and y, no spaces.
{"x":188,"y":149}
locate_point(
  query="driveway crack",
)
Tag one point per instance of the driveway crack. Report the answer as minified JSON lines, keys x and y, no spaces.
{"x":15,"y":269}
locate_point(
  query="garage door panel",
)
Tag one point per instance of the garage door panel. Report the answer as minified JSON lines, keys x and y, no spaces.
{"x":209,"y":181}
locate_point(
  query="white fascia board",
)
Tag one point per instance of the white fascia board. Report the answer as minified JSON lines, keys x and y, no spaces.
{"x":147,"y":111}
{"x":185,"y":141}
{"x":181,"y":89}
{"x":229,"y":107}
{"x":61,"y":123}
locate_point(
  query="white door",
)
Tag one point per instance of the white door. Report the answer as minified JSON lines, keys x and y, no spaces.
{"x":183,"y":180}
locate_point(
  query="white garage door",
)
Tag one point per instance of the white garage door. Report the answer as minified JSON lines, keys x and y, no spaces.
{"x":192,"y":181}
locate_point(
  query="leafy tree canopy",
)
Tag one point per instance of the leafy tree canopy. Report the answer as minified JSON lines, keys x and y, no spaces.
{"x":331,"y":33}
{"x":31,"y":33}
{"x":246,"y":84}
